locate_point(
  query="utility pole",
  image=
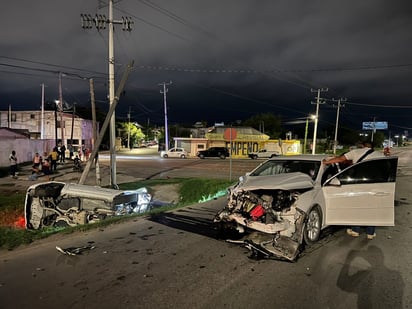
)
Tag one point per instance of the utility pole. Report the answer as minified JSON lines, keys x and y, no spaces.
{"x":42,"y":112}
{"x":100,"y":22}
{"x":315,"y":129}
{"x":72,"y":128}
{"x":164,"y":91}
{"x":61,"y":109}
{"x":335,"y":141}
{"x":95,"y":133}
{"x":106,"y":123}
{"x":128,"y":130}
{"x":373,"y":130}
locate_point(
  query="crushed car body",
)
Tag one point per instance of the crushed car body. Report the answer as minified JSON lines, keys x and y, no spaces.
{"x":60,"y":204}
{"x":285,"y":202}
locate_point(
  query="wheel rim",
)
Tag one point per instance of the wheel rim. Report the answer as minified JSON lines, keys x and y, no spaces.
{"x":313,"y":225}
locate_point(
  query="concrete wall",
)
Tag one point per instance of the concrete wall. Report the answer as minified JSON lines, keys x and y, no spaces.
{"x":25,"y":149}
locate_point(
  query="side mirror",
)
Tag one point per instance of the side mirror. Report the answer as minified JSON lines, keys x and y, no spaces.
{"x":334,"y":182}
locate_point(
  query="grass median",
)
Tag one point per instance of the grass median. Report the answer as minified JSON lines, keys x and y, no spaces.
{"x":189,"y":190}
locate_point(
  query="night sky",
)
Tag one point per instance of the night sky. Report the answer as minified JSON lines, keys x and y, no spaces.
{"x":227,"y":60}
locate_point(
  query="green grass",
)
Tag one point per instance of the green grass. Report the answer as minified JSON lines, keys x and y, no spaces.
{"x":190,"y":191}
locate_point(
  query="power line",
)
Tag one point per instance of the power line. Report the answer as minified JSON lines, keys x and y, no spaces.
{"x":52,"y":65}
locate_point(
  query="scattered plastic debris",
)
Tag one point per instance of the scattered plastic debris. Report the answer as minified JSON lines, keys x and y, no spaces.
{"x":72,"y":251}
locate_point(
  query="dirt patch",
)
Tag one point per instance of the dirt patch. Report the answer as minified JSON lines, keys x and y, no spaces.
{"x":166,"y":193}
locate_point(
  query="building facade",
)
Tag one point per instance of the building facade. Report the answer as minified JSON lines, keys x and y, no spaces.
{"x":63,"y":128}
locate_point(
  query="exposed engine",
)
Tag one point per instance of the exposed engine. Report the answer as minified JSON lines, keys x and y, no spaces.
{"x":267,"y":220}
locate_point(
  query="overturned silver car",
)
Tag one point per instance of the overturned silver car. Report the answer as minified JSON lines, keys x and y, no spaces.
{"x":60,"y":204}
{"x":286,"y":201}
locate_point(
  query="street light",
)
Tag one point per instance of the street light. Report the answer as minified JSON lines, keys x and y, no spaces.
{"x":397,"y":140}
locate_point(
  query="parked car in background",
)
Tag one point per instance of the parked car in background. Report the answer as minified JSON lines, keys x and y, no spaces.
{"x":174,"y":152}
{"x":218,"y":152}
{"x":287,"y":201}
{"x":263,"y":154}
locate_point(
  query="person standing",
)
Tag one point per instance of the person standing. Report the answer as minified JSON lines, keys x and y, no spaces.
{"x":54,"y":155}
{"x":37,"y":160}
{"x":71,"y":151}
{"x":13,"y":164}
{"x":62,"y":154}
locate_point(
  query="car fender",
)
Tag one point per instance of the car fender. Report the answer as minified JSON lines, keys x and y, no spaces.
{"x":310,"y":199}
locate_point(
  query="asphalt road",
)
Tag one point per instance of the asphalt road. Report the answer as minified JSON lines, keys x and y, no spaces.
{"x":173,"y":260}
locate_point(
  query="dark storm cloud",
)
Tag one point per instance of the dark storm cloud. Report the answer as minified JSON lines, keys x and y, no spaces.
{"x":227,"y":59}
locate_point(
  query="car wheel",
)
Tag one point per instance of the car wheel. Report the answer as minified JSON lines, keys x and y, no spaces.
{"x":201,"y":156}
{"x":254,"y":157}
{"x":311,"y":232}
{"x":222,"y":156}
{"x":182,"y":156}
{"x":165,"y":156}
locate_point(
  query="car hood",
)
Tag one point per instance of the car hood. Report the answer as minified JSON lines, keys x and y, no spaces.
{"x":288,"y":181}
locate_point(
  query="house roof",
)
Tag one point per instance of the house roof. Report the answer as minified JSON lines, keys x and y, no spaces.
{"x":14,"y":133}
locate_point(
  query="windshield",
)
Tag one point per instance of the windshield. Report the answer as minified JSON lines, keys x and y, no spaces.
{"x":274,"y":167}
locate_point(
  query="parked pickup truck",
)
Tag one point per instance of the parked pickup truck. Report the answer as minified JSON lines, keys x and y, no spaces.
{"x":263,"y":154}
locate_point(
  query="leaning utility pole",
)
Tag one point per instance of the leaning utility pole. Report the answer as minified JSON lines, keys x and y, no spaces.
{"x":105,"y":123}
{"x":164,"y":91}
{"x":100,"y":22}
{"x":335,"y":141}
{"x":315,"y":129}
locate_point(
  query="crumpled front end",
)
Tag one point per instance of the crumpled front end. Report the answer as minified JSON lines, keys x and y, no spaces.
{"x":265,"y":221}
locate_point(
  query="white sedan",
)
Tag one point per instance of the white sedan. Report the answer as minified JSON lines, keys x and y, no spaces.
{"x":175,"y":152}
{"x":287,"y":201}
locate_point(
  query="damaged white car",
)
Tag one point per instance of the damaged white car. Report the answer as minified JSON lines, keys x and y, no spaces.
{"x":285,"y":202}
{"x":59,"y":204}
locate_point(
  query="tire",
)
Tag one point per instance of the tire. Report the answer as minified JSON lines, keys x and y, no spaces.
{"x":311,"y":231}
{"x":165,"y":156}
{"x":182,"y":156}
{"x":254,"y":157}
{"x":201,"y":156}
{"x":222,"y":156}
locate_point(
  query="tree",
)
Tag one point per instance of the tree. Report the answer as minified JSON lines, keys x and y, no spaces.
{"x":267,"y":123}
{"x":136,"y":134}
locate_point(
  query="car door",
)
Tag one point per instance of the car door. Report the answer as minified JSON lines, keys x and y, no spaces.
{"x":173,"y":153}
{"x":362,"y":194}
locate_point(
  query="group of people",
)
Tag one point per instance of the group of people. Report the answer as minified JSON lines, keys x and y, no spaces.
{"x":46,"y":164}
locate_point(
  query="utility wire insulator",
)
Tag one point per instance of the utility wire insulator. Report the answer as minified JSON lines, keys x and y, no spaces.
{"x":100,"y":21}
{"x":86,"y":20}
{"x":127,"y":23}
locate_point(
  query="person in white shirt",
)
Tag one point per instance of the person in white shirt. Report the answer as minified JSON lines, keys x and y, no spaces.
{"x":355,"y":155}
{"x":13,"y":164}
